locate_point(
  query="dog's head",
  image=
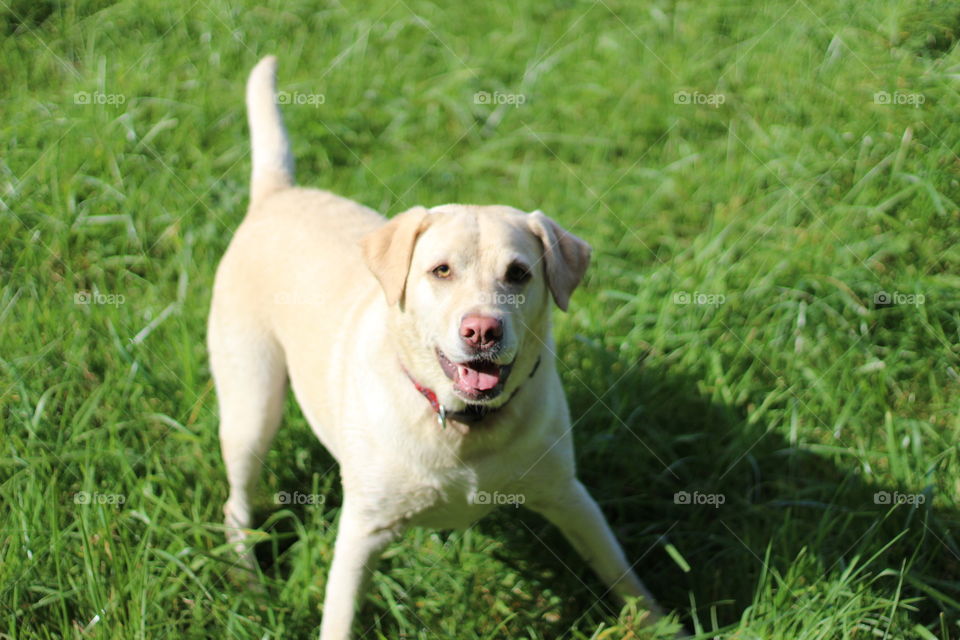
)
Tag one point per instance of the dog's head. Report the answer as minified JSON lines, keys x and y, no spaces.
{"x":474,"y":283}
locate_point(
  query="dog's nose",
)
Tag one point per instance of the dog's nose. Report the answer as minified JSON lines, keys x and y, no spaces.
{"x":481,"y":332}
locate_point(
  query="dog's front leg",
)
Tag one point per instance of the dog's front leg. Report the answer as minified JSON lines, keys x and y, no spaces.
{"x":578,"y":516}
{"x":355,"y":553}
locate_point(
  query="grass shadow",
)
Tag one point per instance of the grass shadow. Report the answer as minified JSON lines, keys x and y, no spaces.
{"x":681,"y":476}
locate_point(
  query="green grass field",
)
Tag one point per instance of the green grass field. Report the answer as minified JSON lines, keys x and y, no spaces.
{"x":771,"y":320}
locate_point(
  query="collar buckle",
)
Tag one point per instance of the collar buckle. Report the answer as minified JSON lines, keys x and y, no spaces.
{"x":442,"y":417}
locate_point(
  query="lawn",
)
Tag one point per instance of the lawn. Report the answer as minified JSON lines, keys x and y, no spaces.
{"x":762,"y":363}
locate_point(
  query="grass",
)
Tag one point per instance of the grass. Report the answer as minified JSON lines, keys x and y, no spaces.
{"x":731,"y":340}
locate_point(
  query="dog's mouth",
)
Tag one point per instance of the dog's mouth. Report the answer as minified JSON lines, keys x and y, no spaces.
{"x":475,"y":379}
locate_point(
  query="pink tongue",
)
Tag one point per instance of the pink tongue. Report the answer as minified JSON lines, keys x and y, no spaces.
{"x":479,"y":380}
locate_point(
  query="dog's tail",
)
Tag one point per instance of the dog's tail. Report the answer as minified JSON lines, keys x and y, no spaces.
{"x":272,"y":162}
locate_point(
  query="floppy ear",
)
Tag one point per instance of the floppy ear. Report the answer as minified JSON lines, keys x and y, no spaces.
{"x":566,"y":257}
{"x":388,"y":250}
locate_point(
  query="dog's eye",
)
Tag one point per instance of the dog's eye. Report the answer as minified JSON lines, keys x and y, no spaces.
{"x":442,"y":271}
{"x":517,"y":273}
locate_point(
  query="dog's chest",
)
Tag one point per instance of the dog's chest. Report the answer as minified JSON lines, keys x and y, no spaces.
{"x":448,"y":499}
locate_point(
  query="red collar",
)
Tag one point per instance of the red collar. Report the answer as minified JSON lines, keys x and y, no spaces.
{"x":471,"y":413}
{"x":427,"y":393}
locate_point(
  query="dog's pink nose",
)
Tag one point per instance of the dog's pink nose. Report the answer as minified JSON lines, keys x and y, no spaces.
{"x":481,"y":332}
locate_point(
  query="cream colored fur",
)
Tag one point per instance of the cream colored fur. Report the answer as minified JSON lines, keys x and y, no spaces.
{"x":325,"y":293}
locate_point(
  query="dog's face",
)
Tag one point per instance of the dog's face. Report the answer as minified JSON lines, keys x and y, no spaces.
{"x":475,"y":283}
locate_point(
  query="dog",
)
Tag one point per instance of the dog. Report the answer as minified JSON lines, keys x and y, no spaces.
{"x":419,"y":349}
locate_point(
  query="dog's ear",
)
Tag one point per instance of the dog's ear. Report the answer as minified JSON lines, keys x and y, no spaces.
{"x":566,"y":257}
{"x":389,"y":249}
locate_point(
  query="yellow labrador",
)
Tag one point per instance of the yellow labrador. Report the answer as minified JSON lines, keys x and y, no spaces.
{"x":418,"y":348}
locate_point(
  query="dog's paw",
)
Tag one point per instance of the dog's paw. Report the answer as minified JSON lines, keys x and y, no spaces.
{"x":638,"y":620}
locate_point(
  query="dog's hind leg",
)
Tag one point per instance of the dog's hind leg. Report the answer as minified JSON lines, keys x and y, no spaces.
{"x":249,"y":373}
